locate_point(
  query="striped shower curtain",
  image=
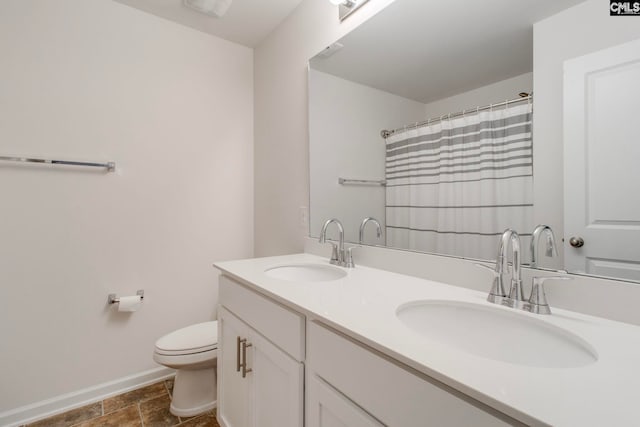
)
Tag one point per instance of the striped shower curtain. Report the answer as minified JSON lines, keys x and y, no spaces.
{"x":454,"y":186}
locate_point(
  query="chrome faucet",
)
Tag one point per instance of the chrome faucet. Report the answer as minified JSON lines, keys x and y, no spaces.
{"x":551,"y":248}
{"x":497,"y":294}
{"x":515,"y":296}
{"x":364,"y":223}
{"x":337,"y":255}
{"x":537,"y":301}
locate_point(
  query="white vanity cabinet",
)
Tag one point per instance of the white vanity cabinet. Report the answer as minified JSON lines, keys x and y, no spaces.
{"x":300,"y":372}
{"x":260,"y":370}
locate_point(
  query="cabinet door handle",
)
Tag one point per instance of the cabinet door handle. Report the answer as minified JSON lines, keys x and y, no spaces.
{"x":238,"y":364}
{"x":245,"y":344}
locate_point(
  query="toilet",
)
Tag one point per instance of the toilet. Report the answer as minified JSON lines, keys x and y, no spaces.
{"x":192,"y":351}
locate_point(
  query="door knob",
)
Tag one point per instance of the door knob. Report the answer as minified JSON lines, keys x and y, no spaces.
{"x":576,"y":242}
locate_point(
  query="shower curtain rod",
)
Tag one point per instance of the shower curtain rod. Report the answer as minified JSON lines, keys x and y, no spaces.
{"x":387,"y":133}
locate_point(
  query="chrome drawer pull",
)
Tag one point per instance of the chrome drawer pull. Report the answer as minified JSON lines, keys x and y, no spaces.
{"x":238,"y":364}
{"x":245,"y":344}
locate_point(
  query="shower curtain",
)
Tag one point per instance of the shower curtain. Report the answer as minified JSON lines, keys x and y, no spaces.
{"x":454,"y":186}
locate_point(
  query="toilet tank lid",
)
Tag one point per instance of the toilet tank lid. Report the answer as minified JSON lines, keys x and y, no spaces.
{"x":192,"y":337}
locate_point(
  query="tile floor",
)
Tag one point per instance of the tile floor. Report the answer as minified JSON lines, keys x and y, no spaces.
{"x":144,"y":407}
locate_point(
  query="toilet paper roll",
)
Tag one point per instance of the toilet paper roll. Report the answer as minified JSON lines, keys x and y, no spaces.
{"x":130,"y":303}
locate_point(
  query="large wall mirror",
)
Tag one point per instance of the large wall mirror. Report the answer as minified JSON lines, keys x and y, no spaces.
{"x":422,"y":119}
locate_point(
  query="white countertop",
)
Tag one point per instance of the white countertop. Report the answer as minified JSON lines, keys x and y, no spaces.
{"x":363,"y":305}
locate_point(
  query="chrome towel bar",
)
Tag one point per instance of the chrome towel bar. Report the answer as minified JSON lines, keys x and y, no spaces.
{"x":109,"y":166}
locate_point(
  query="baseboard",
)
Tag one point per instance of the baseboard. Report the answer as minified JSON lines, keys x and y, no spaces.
{"x":56,"y":405}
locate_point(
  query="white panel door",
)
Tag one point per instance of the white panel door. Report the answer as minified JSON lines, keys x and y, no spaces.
{"x":276,"y":385}
{"x":602,"y":162}
{"x":233,"y":390}
{"x":326,"y":407}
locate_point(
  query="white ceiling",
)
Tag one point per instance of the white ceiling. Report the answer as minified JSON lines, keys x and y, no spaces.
{"x":247,"y":22}
{"x":430,"y":50}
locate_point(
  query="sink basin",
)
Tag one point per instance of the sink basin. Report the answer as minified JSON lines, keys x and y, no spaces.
{"x":306,"y":273}
{"x":497,"y":333}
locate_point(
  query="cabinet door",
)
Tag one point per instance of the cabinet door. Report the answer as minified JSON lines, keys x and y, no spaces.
{"x":233,"y":390}
{"x":326,"y":407}
{"x":276,"y":385}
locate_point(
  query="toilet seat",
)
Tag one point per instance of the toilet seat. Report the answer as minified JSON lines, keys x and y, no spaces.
{"x":184,"y":352}
{"x":194,"y":339}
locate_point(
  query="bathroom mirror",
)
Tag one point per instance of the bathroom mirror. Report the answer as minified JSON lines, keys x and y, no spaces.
{"x":452,"y":185}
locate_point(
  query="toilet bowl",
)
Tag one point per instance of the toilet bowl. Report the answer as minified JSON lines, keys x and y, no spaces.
{"x":192,"y":351}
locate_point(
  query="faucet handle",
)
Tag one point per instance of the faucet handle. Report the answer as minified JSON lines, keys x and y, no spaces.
{"x":538,"y":300}
{"x":348,"y":257}
{"x":551,"y":249}
{"x":335,"y":258}
{"x":497,"y":289}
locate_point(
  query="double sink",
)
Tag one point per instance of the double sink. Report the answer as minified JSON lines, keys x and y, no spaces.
{"x":482,"y":329}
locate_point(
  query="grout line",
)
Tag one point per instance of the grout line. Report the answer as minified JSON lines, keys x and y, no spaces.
{"x":140,"y":414}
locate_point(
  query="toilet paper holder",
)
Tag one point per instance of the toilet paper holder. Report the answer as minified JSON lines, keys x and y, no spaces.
{"x":114,"y":299}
